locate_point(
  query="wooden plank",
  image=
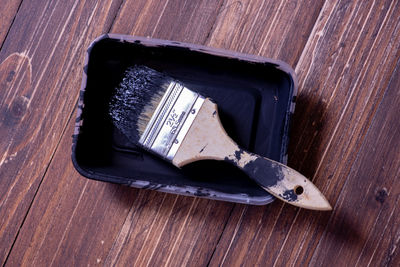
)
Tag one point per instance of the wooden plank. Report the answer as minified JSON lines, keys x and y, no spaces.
{"x":177,"y":20}
{"x":148,"y":227}
{"x":372,"y":239}
{"x":7,"y":14}
{"x":343,"y":72}
{"x":52,"y":235}
{"x":40,"y":83}
{"x":275,"y":29}
{"x":55,"y":201}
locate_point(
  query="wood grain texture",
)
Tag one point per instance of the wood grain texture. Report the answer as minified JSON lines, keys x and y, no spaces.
{"x":344,"y":71}
{"x":373,"y":234}
{"x":39,"y":80}
{"x":274,"y":29}
{"x":344,"y":136}
{"x":154,"y":228}
{"x":7,"y":14}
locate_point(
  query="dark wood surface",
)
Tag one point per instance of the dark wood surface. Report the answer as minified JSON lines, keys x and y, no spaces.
{"x":345,"y":137}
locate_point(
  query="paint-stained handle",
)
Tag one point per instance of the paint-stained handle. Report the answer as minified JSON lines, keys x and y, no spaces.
{"x":207,"y":139}
{"x":280,"y":180}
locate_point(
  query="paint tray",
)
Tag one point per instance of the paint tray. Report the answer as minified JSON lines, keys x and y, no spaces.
{"x":255,"y":97}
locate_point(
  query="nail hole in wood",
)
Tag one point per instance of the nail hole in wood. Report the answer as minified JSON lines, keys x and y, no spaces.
{"x":298,"y":190}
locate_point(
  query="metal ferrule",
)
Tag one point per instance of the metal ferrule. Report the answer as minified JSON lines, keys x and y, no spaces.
{"x":171,"y":121}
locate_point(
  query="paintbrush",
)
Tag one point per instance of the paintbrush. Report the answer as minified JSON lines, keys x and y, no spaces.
{"x":177,"y":124}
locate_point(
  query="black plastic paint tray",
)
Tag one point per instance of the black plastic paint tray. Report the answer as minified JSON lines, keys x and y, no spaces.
{"x":255,"y":97}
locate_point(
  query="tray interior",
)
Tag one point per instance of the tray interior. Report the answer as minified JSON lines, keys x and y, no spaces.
{"x":253,"y":101}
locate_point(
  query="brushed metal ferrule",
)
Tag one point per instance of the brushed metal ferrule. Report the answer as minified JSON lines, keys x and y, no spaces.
{"x":171,"y":121}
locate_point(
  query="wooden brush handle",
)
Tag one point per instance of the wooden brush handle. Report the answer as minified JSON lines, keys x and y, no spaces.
{"x":207,"y":139}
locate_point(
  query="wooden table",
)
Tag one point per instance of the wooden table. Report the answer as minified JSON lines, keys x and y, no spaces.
{"x":345,"y":136}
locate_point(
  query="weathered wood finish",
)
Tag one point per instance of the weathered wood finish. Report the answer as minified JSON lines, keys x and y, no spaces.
{"x":7,"y":14}
{"x":40,"y":70}
{"x":343,"y":72}
{"x":345,"y":135}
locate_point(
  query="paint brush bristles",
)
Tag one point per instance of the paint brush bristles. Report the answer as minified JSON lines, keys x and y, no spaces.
{"x":136,"y":98}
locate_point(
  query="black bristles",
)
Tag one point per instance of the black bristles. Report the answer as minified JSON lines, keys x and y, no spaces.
{"x":135,"y":100}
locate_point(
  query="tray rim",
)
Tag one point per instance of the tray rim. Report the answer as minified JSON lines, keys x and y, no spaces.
{"x":187,"y":190}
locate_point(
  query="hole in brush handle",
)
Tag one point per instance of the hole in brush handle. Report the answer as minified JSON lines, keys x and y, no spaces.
{"x":298,"y":190}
